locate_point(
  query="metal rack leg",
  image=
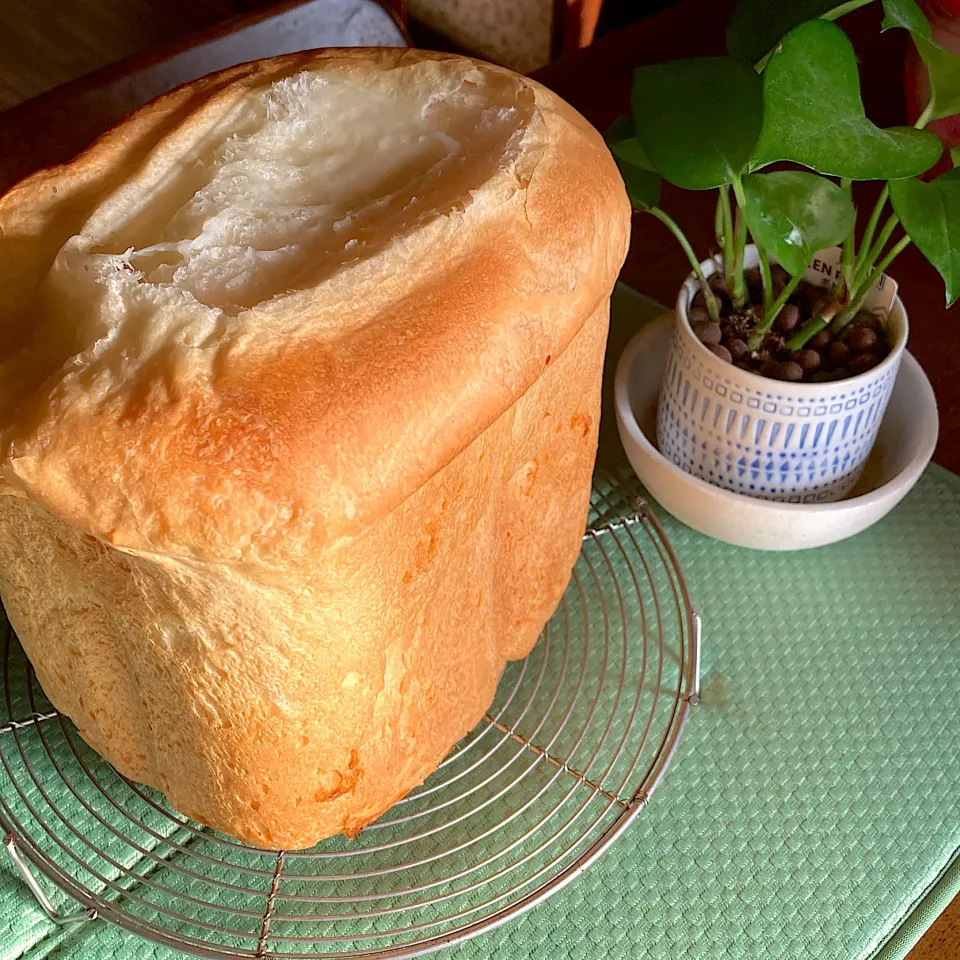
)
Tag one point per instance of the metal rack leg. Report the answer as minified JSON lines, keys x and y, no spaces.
{"x":23,"y":868}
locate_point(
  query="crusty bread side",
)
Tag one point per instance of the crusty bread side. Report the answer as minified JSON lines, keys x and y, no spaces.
{"x":269,"y":535}
{"x":283,"y":711}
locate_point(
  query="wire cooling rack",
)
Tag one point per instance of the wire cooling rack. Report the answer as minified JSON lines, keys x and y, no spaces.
{"x":578,"y":738}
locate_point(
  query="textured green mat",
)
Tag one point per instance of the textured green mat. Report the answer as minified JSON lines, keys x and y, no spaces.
{"x":813,"y":808}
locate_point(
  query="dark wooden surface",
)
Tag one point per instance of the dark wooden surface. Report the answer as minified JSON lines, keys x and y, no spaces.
{"x":597,"y":82}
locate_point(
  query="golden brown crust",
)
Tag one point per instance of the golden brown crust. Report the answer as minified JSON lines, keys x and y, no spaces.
{"x":273,"y":562}
{"x":487,"y":294}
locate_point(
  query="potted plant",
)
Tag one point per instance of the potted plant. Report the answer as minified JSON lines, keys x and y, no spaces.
{"x":786,"y":349}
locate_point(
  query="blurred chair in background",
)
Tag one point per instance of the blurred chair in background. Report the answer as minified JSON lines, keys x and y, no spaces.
{"x":520,"y":34}
{"x":48,"y":42}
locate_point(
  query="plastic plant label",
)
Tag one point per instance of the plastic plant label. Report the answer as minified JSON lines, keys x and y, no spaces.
{"x":827,"y":266}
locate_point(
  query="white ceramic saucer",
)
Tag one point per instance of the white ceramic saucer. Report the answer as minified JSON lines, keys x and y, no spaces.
{"x":903,"y":448}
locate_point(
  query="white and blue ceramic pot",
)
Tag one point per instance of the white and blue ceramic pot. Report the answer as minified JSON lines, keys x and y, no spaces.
{"x":793,"y":442}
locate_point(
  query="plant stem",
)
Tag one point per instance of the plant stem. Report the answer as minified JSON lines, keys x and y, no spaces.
{"x":759,"y":332}
{"x":718,"y":222}
{"x":738,"y":289}
{"x":812,"y":327}
{"x":841,"y":321}
{"x":727,"y":215}
{"x":764,"y":263}
{"x":834,"y":14}
{"x":844,"y":8}
{"x":926,"y":116}
{"x":870,"y":256}
{"x":848,"y":272}
{"x":881,"y":268}
{"x":739,"y":285}
{"x":674,"y":228}
{"x":872,"y":225}
{"x":713,"y":308}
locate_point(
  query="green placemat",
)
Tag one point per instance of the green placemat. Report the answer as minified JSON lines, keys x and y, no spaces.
{"x":813,"y":808}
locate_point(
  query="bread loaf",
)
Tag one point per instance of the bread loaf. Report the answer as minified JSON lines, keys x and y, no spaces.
{"x":300,"y":388}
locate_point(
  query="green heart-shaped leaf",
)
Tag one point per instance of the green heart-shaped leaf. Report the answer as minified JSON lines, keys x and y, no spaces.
{"x":620,"y":129}
{"x":622,"y":140}
{"x":943,"y":69}
{"x":813,"y":114}
{"x":793,"y":214}
{"x":698,"y":120}
{"x":756,"y":26}
{"x":906,"y":14}
{"x":643,"y":186}
{"x":930,"y":213}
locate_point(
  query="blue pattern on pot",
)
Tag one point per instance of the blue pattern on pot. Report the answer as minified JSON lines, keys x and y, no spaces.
{"x":799,"y":443}
{"x":750,"y":441}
